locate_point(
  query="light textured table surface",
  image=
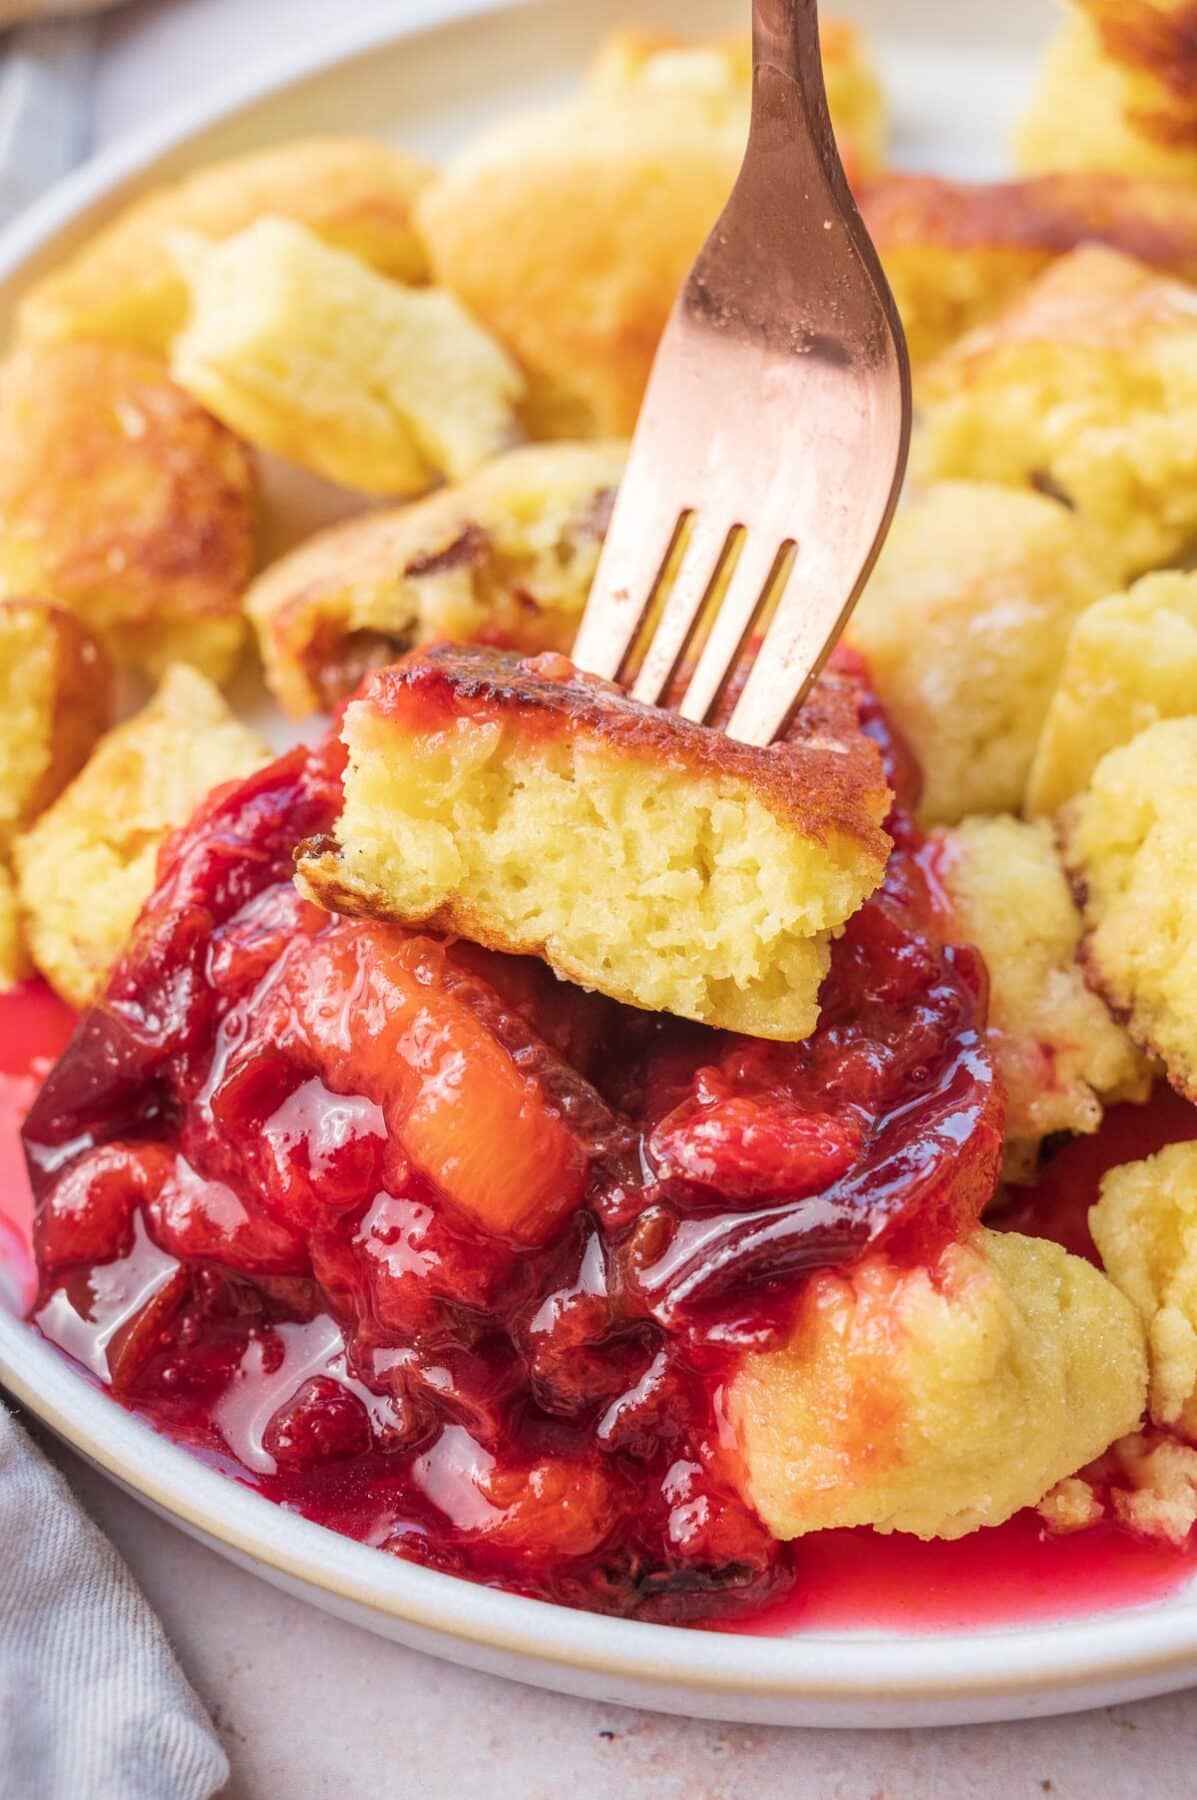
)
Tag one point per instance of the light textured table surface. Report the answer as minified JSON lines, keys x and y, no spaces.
{"x":310,"y":1708}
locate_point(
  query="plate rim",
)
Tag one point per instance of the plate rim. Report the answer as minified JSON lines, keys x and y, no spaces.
{"x":1152,"y":1645}
{"x":1056,"y":1657}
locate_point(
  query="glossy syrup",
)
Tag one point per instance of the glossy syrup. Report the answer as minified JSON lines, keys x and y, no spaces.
{"x":845,"y":1580}
{"x":34,"y":1028}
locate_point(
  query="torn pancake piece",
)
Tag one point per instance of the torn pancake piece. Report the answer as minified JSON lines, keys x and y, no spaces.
{"x":122,"y":286}
{"x":124,"y":501}
{"x":1129,"y":844}
{"x":963,"y":626}
{"x":535,"y":809}
{"x":506,"y":557}
{"x":933,"y":1400}
{"x":956,"y":252}
{"x":14,"y":964}
{"x":1131,"y":660}
{"x":568,"y":231}
{"x":90,"y":860}
{"x":54,"y":699}
{"x":304,"y":351}
{"x":1085,"y":387}
{"x":1116,"y":92}
{"x":1060,"y":1056}
{"x":1145,"y":1228}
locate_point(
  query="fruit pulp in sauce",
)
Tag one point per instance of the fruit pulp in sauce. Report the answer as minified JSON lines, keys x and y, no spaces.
{"x":454,"y":1259}
{"x":847,"y":1579}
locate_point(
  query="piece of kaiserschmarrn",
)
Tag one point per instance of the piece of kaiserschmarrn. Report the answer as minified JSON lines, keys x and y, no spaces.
{"x":305,"y":351}
{"x":1145,"y":1228}
{"x":124,"y":501}
{"x":964,"y":624}
{"x":1146,"y":1481}
{"x":715,"y":75}
{"x":568,"y":231}
{"x":956,"y":252}
{"x":537,"y":810}
{"x":507,"y":556}
{"x":55,"y":691}
{"x":14,"y":963}
{"x":1131,"y":659}
{"x":124,"y":285}
{"x":1130,"y":845}
{"x":1117,"y":91}
{"x":54,"y":699}
{"x":85,"y":867}
{"x":934,"y":1400}
{"x":1059,"y":1055}
{"x":1085,"y":385}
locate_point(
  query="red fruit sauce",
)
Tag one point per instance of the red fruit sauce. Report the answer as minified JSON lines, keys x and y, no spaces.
{"x":454,"y":1258}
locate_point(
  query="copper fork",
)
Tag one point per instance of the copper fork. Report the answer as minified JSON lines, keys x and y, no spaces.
{"x":772,"y":442}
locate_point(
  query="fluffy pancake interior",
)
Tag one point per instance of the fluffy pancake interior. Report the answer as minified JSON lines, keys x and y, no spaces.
{"x":935,"y":1400}
{"x":305,"y":351}
{"x":688,"y":894}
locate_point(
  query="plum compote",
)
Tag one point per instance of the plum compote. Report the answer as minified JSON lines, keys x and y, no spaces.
{"x":454,"y":1257}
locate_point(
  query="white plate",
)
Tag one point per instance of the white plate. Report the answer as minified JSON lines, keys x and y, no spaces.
{"x":956,"y":69}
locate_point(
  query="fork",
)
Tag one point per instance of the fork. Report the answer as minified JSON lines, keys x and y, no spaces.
{"x":771,"y":445}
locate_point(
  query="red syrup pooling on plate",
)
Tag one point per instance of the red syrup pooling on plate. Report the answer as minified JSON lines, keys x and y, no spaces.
{"x":454,"y":1259}
{"x":1058,"y":1205}
{"x":1011,"y":1574}
{"x":34,"y":1028}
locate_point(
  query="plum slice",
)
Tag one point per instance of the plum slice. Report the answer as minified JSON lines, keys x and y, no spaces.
{"x":504,"y":1129}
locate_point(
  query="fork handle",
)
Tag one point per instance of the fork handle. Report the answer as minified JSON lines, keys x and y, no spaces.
{"x":785,"y":33}
{"x":785,"y":43}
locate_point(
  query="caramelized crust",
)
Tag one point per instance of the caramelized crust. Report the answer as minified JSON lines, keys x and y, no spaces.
{"x":536,"y":810}
{"x":1117,"y":91}
{"x":1157,"y":38}
{"x":126,"y":502}
{"x":825,"y":780}
{"x":1155,"y":35}
{"x":1095,"y":300}
{"x":955,"y":251}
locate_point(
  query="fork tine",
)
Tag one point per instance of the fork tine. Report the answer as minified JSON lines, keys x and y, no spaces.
{"x":798,"y":638}
{"x":700,"y":567}
{"x":758,"y":554}
{"x":639,"y":540}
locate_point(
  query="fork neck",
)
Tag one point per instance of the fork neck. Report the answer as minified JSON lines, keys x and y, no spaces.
{"x":791,"y":131}
{"x":785,"y":36}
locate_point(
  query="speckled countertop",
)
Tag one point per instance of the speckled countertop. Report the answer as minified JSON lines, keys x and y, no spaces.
{"x":312,"y":1709}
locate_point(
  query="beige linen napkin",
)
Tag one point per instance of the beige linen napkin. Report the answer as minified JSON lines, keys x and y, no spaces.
{"x":93,"y":1705}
